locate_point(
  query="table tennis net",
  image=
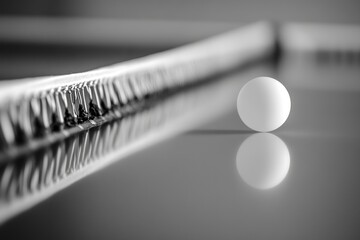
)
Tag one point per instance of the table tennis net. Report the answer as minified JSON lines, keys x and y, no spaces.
{"x":32,"y":109}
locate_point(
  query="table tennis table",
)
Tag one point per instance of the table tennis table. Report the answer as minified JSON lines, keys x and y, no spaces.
{"x":176,"y":165}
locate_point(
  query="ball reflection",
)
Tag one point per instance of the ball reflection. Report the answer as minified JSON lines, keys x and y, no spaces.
{"x":263,"y":160}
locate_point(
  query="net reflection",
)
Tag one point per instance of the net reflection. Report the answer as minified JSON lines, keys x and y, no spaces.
{"x":32,"y":178}
{"x":263,"y":160}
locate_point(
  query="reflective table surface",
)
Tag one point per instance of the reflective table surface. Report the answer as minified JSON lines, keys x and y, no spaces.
{"x":212,"y":178}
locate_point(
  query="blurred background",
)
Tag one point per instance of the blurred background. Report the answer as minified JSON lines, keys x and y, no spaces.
{"x":344,"y":11}
{"x":43,"y":37}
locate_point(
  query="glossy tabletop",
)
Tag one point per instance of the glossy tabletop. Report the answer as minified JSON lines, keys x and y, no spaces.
{"x":213,"y":178}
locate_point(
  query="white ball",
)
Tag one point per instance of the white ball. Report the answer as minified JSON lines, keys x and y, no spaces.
{"x":263,"y":160}
{"x":263,"y":104}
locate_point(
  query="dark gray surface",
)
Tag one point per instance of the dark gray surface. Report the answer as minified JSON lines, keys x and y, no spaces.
{"x":189,"y":188}
{"x":345,"y":11}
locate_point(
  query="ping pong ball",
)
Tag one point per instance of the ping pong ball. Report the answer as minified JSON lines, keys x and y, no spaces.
{"x":263,"y":104}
